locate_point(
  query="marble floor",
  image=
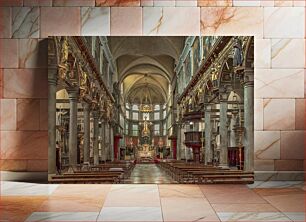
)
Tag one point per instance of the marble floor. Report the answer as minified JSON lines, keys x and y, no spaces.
{"x":149,"y":174}
{"x":152,"y":202}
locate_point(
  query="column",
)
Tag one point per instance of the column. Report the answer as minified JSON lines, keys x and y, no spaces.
{"x":223,"y":132}
{"x":73,"y":126}
{"x":249,"y":120}
{"x":86,"y":132}
{"x":208,"y":151}
{"x":111,"y":142}
{"x":178,"y":149}
{"x":95,"y":115}
{"x":52,"y":82}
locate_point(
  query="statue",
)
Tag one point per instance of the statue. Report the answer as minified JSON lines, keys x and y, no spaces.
{"x":238,"y":56}
{"x":83,"y":82}
{"x":146,"y":130}
{"x":63,"y":63}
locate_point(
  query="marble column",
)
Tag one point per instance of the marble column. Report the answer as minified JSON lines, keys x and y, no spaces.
{"x":95,"y":115}
{"x":111,"y":142}
{"x":179,"y":138}
{"x":86,"y":132}
{"x":208,"y":151}
{"x":73,"y":126}
{"x":223,"y":133}
{"x":101,"y":131}
{"x":249,"y":120}
{"x":52,"y":82}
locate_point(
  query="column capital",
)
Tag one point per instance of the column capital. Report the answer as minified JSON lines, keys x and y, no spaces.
{"x":224,"y":92}
{"x":248,"y":78}
{"x":73,"y":93}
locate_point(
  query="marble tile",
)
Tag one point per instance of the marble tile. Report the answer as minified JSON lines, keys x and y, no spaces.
{"x":5,"y":3}
{"x":267,"y":145}
{"x":253,"y":216}
{"x":264,"y":207}
{"x":262,"y":53}
{"x":54,"y":21}
{"x":37,"y":2}
{"x":68,"y":3}
{"x":182,"y":191}
{"x":13,"y":165}
{"x":133,"y":196}
{"x":273,"y":83}
{"x":264,"y":165}
{"x":28,"y":114}
{"x":295,"y":216}
{"x":187,"y":209}
{"x":18,"y":208}
{"x":169,"y":20}
{"x":126,"y":21}
{"x":279,"y":3}
{"x":25,"y":83}
{"x":8,"y":114}
{"x":249,"y":3}
{"x":23,"y":144}
{"x":43,"y":114}
{"x":230,"y":194}
{"x":146,"y":2}
{"x":25,"y":22}
{"x":278,"y":19}
{"x":71,"y":204}
{"x":5,"y":22}
{"x":37,"y":165}
{"x":130,"y":214}
{"x":282,"y":51}
{"x":207,"y":3}
{"x":9,"y":53}
{"x":289,"y":165}
{"x":33,"y":53}
{"x":258,"y":114}
{"x":276,"y":184}
{"x":26,"y":189}
{"x":232,"y":21}
{"x":279,"y":114}
{"x":292,"y":144}
{"x":186,"y":3}
{"x":123,"y":3}
{"x":95,"y":21}
{"x":63,"y":216}
{"x":163,"y":3}
{"x":300,"y":114}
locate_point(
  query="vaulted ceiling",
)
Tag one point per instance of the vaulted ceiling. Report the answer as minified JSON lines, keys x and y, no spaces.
{"x":145,"y":65}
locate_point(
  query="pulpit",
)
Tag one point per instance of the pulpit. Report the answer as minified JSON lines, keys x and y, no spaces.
{"x":193,"y":139}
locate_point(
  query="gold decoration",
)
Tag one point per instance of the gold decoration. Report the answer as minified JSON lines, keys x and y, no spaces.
{"x":63,"y":64}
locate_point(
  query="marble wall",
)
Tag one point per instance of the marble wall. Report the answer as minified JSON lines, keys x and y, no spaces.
{"x":278,"y":27}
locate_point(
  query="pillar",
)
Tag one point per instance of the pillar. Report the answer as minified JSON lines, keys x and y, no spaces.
{"x":95,"y":115}
{"x":73,"y":126}
{"x":178,"y":149}
{"x":208,"y":151}
{"x":223,"y":132}
{"x":86,"y":132}
{"x":111,"y":142}
{"x":52,"y":82}
{"x":249,"y":120}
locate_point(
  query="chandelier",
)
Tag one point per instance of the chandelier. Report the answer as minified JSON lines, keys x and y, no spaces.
{"x":146,"y":106}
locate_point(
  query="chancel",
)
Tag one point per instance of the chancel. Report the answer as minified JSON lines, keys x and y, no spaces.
{"x":151,"y":109}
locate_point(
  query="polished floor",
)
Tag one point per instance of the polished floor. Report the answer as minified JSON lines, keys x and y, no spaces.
{"x":269,"y":201}
{"x":149,"y":174}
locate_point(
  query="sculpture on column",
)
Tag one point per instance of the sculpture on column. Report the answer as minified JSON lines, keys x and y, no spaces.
{"x":238,"y":56}
{"x":63,"y":60}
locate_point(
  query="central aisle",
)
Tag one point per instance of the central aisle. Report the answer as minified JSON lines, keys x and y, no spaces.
{"x":149,"y":173}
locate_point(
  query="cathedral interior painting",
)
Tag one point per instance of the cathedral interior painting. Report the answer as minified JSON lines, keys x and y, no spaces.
{"x":170,"y":109}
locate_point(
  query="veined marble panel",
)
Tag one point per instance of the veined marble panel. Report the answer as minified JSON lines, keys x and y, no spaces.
{"x":171,"y":21}
{"x":5,"y":22}
{"x":9,"y":53}
{"x":146,"y":2}
{"x":6,"y":3}
{"x":9,"y":188}
{"x":279,"y":114}
{"x":299,"y":3}
{"x":292,"y":145}
{"x":220,"y":3}
{"x":130,"y":214}
{"x":277,"y":83}
{"x":237,"y":3}
{"x":260,"y":165}
{"x":284,"y":22}
{"x":284,"y":3}
{"x":63,"y":216}
{"x":28,"y":114}
{"x":43,"y":114}
{"x":33,"y":53}
{"x":95,"y":21}
{"x":258,"y":114}
{"x":232,"y":21}
{"x":300,"y":114}
{"x":37,"y":2}
{"x":163,"y":3}
{"x":74,"y":2}
{"x":8,"y":114}
{"x":121,"y":3}
{"x":262,"y":51}
{"x":276,"y":184}
{"x":267,"y":3}
{"x":186,"y":3}
{"x":126,"y":21}
{"x":288,"y":53}
{"x":295,"y":216}
{"x":253,"y":216}
{"x":267,"y":145}
{"x":25,"y":22}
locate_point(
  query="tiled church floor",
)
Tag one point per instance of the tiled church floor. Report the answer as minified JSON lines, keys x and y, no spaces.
{"x":151,"y":202}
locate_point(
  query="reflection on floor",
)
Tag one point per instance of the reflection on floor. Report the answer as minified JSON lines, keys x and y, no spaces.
{"x":148,"y":174}
{"x":151,"y":202}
